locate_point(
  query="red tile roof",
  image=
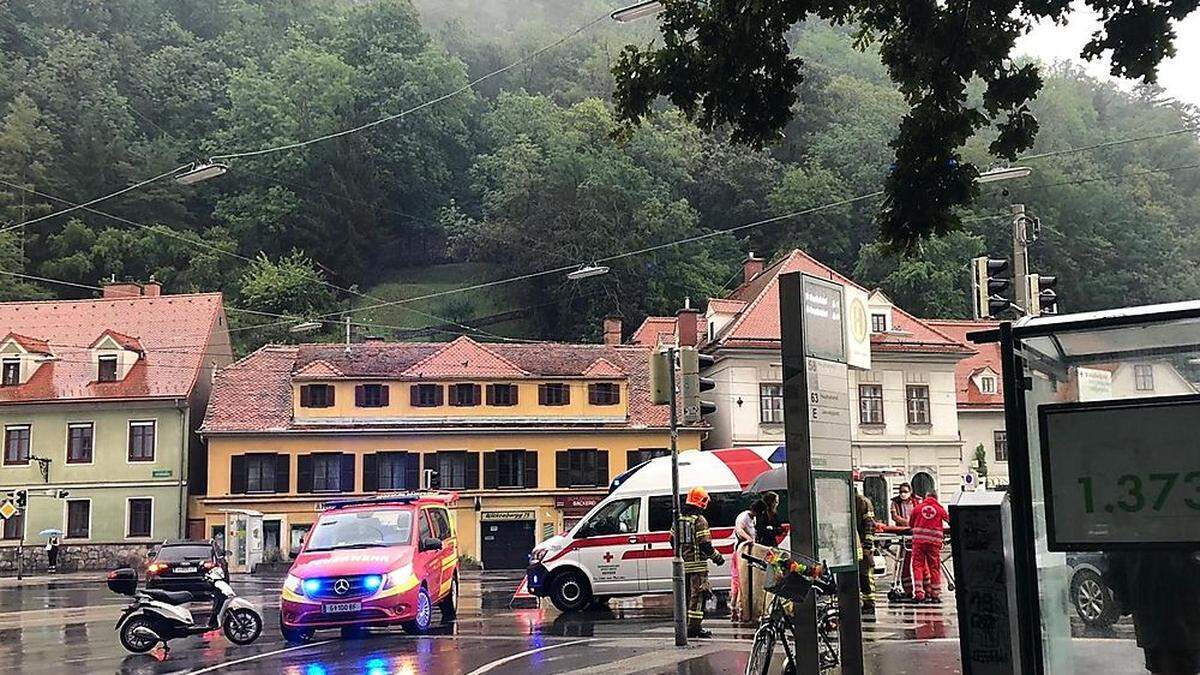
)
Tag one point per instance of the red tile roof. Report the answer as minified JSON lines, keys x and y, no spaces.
{"x":31,"y":345}
{"x":255,"y":394}
{"x":464,"y":358}
{"x":656,"y":330}
{"x":985,"y":356}
{"x":173,"y":331}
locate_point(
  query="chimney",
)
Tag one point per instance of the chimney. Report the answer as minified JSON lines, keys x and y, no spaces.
{"x":751,"y":267}
{"x":686,"y":322}
{"x":612,"y":329}
{"x":152,"y":288}
{"x":121,"y":289}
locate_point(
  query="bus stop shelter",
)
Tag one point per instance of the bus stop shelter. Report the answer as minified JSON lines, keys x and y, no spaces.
{"x":1103,"y":422}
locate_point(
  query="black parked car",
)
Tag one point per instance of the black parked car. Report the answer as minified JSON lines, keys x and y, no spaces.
{"x":1093,"y":600}
{"x":180,"y":565}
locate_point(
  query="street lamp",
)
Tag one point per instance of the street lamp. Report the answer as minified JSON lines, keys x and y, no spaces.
{"x":1007,"y":173}
{"x":587,"y":271}
{"x":199,"y":172}
{"x":637,"y":11}
{"x":305,"y":327}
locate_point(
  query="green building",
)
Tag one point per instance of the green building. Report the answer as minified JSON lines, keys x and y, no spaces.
{"x":101,"y":399}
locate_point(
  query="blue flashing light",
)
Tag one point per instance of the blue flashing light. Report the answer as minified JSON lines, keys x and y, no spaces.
{"x":314,"y":668}
{"x":372,"y":582}
{"x":312,"y":586}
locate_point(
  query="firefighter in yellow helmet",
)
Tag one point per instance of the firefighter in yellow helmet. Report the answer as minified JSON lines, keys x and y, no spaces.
{"x":696,"y":549}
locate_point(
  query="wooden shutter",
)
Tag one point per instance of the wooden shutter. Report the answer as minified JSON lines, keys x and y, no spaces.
{"x":304,"y":473}
{"x":531,"y":470}
{"x":414,"y":395}
{"x":439,"y":395}
{"x":305,"y":396}
{"x":412,"y":471}
{"x":472,"y":472}
{"x":601,"y":468}
{"x":370,"y":473}
{"x":514,"y":394}
{"x":491,"y":394}
{"x":383,"y":395}
{"x":543,"y":395}
{"x":562,"y":468}
{"x":490,"y":478}
{"x":346,"y":479}
{"x":330,"y":390}
{"x":283,"y":471}
{"x":237,"y":475}
{"x":566,"y":394}
{"x":360,"y":395}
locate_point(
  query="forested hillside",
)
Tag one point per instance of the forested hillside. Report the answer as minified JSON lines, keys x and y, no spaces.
{"x":526,"y":172}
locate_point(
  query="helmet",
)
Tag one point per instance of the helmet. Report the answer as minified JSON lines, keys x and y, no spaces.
{"x":698,"y":497}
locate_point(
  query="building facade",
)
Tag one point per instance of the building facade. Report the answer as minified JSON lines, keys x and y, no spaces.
{"x":529,"y":435}
{"x":102,"y":399}
{"x":905,"y":425}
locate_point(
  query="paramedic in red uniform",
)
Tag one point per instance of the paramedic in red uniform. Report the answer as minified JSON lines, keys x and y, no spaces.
{"x":927,"y":533}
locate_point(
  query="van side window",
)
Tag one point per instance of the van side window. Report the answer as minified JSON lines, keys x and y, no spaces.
{"x":722,"y":510}
{"x":424,"y":530}
{"x":616,"y":517}
{"x":441,"y":523}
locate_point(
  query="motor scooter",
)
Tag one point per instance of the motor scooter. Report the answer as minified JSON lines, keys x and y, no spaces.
{"x":156,"y":616}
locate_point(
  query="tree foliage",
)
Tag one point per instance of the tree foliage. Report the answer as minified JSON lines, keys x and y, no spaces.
{"x":731,"y":63}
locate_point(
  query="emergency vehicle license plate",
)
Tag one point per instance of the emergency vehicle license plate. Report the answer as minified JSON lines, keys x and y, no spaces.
{"x":341,"y":607}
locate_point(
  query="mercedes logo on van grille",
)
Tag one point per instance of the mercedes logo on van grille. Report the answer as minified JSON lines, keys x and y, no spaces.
{"x":341,"y":586}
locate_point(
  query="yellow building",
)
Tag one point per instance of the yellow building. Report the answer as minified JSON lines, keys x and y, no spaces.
{"x":529,"y":435}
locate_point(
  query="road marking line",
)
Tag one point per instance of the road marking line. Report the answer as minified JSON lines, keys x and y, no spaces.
{"x":255,"y":657}
{"x":486,"y":668}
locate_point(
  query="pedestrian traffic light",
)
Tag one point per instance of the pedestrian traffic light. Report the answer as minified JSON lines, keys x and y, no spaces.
{"x":991,"y":281}
{"x":1042,"y":298}
{"x":691,"y":362}
{"x":433,"y":480}
{"x":662,"y":377}
{"x":21,"y":499}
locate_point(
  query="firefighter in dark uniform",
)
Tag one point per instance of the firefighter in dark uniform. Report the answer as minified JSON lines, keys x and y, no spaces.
{"x":696,"y":549}
{"x":864,"y":516}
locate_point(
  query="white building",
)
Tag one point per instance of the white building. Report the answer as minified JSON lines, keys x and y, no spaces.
{"x":903,"y":409}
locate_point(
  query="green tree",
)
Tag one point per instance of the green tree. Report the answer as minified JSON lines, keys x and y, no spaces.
{"x":934,"y":282}
{"x":291,"y":286}
{"x":728,"y":62}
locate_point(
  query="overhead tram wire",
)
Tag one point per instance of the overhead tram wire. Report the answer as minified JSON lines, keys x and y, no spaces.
{"x":1107,"y":144}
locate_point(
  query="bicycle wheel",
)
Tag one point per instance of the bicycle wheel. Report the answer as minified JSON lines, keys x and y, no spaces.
{"x":761,"y":652}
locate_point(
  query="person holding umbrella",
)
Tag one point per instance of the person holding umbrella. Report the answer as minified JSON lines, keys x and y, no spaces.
{"x":52,"y":548}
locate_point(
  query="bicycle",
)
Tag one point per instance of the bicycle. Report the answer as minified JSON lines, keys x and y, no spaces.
{"x":776,"y":624}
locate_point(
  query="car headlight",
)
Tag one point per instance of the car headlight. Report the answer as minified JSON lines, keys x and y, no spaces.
{"x":291,"y":583}
{"x":401,"y":578}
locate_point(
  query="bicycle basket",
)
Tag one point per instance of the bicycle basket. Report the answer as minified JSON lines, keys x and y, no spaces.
{"x":791,"y":586}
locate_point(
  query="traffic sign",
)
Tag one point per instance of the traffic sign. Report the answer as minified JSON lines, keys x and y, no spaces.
{"x":8,"y":510}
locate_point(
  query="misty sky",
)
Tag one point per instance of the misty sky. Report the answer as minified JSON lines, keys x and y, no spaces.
{"x":1178,"y":76}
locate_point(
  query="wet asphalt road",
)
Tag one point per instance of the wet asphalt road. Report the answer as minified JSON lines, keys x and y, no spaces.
{"x":66,"y":626}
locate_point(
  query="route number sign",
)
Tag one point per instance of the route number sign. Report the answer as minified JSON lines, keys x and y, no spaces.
{"x":1121,"y":474}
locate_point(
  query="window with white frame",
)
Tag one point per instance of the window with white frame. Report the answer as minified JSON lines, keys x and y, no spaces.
{"x":770,"y":403}
{"x":141,"y":516}
{"x":870,"y":403}
{"x":987,"y":384}
{"x":918,"y":403}
{"x":1143,"y":377}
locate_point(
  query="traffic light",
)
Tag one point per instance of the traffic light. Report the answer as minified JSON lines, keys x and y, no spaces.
{"x":1042,"y":298}
{"x":662,"y":377}
{"x":991,"y":281}
{"x":21,"y":499}
{"x":691,"y":362}
{"x":61,"y":494}
{"x":433,"y":480}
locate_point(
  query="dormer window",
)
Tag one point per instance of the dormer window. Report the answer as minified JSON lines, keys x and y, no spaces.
{"x":12,"y":372}
{"x":879,"y":323}
{"x":316,"y":396}
{"x":107,"y":371}
{"x":987,"y":384}
{"x":604,"y":393}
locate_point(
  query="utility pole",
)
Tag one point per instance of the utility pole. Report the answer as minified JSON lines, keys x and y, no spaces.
{"x":1020,"y":241}
{"x":677,"y":583}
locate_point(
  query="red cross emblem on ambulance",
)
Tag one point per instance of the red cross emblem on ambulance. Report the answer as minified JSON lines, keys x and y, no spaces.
{"x":608,"y":557}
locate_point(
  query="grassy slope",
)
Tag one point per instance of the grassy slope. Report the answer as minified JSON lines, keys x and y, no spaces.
{"x":419,"y":281}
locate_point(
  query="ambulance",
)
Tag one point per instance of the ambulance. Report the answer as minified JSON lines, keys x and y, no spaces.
{"x":622,"y":547}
